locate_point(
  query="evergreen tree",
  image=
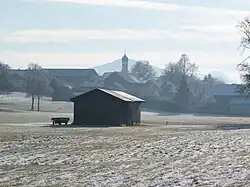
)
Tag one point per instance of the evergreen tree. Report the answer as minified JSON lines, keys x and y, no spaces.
{"x":182,"y":95}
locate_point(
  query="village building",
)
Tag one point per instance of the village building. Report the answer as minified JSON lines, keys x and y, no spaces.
{"x":123,"y":81}
{"x":240,"y":106}
{"x":227,"y":101}
{"x":223,"y":94}
{"x":83,"y":79}
{"x":72,"y":81}
{"x":79,"y":79}
{"x":126,"y":81}
{"x":101,"y":107}
{"x":18,"y":82}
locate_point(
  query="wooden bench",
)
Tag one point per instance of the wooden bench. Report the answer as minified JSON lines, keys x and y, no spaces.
{"x":60,"y":120}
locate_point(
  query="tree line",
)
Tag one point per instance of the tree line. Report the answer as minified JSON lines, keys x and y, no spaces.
{"x":178,"y":81}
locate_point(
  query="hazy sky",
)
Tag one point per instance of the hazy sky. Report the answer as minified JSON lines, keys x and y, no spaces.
{"x":85,"y":33}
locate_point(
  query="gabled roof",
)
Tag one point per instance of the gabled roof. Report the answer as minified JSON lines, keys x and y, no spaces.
{"x":106,"y":74}
{"x":15,"y":76}
{"x":20,"y":72}
{"x":118,"y":94}
{"x":129,"y":78}
{"x":126,"y":76}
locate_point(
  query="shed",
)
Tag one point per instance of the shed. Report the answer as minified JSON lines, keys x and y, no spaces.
{"x":101,"y":107}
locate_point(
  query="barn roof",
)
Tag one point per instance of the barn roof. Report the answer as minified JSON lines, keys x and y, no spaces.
{"x":118,"y":94}
{"x":126,"y":76}
{"x":15,"y":76}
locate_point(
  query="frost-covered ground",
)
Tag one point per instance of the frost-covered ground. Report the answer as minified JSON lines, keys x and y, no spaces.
{"x":189,"y":151}
{"x":139,"y":156}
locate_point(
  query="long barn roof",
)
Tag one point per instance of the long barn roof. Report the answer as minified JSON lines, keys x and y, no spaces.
{"x":118,"y":94}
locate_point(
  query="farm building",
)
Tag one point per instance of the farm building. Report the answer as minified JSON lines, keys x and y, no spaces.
{"x":100,"y":107}
{"x":240,"y":106}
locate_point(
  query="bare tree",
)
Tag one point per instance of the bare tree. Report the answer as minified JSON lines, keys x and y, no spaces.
{"x":186,"y":66}
{"x":174,"y":71}
{"x":244,"y":28}
{"x":37,"y":84}
{"x":180,"y":73}
{"x":244,"y":66}
{"x":143,"y":71}
{"x":201,"y":93}
{"x":30,"y":85}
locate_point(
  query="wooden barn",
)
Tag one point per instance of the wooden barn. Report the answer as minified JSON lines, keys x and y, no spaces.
{"x":100,"y":107}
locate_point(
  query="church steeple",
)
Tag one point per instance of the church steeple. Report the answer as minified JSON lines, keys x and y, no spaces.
{"x":125,"y":63}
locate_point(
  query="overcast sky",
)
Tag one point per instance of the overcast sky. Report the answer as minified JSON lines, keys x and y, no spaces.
{"x":85,"y":33}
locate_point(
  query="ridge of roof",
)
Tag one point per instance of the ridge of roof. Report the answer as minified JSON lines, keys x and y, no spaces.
{"x":118,"y":94}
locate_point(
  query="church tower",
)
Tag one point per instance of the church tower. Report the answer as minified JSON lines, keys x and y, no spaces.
{"x":125,"y":63}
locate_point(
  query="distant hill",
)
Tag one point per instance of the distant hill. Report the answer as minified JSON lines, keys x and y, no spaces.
{"x":116,"y":66}
{"x":220,"y":76}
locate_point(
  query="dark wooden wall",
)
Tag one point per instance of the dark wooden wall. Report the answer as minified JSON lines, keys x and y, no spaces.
{"x":135,"y":113}
{"x":96,"y":108}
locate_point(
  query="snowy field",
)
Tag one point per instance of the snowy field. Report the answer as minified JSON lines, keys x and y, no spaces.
{"x":189,"y":151}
